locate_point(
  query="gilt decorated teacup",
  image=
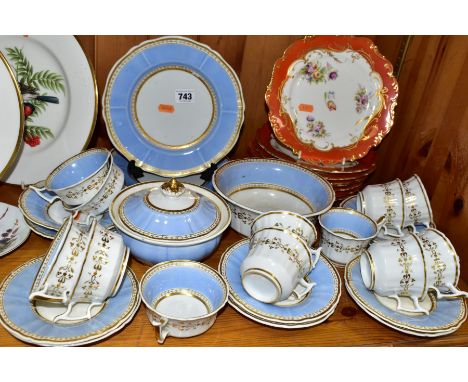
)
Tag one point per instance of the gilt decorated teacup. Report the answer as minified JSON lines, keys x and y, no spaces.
{"x":396,"y":268}
{"x":384,"y":200}
{"x":77,"y":180}
{"x":277,"y":262}
{"x":418,"y":209}
{"x":442,"y":263}
{"x":288,"y":220}
{"x":182,"y":297}
{"x":345,"y":234}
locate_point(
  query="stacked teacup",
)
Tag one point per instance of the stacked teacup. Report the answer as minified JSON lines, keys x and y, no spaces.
{"x":402,"y":204}
{"x":84,"y":267}
{"x":280,"y":257}
{"x":86,"y":183}
{"x":411,"y":259}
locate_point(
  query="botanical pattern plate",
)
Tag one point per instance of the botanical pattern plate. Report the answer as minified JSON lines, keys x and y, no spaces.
{"x":311,"y":311}
{"x":60,"y":101}
{"x":331,"y":98}
{"x":13,"y":229}
{"x":12,"y":117}
{"x":174,"y":106}
{"x":32,"y":323}
{"x":447,"y":316}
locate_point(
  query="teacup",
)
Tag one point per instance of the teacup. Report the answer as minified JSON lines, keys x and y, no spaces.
{"x":418,"y":209}
{"x":442,"y":262}
{"x":277,"y":262}
{"x":396,"y":268}
{"x":77,"y":180}
{"x":101,"y":274}
{"x":182,"y":297}
{"x":59,"y":272}
{"x":384,"y":200}
{"x":290,"y":221}
{"x":346,"y":233}
{"x":100,"y":203}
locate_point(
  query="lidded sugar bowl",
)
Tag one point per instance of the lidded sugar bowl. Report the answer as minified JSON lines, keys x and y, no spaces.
{"x":163,"y":221}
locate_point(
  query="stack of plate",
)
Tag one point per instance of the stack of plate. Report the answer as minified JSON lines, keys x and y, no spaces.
{"x":314,"y":309}
{"x":347,"y":179}
{"x":331,"y":99}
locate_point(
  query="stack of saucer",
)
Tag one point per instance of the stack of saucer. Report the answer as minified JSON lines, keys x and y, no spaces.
{"x":83,"y":186}
{"x":347,"y":179}
{"x":276,"y":278}
{"x":80,"y":292}
{"x":13,"y":229}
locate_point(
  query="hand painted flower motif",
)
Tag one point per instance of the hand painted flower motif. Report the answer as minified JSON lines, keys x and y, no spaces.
{"x":9,"y":236}
{"x":361,"y":99}
{"x":316,"y":128}
{"x":329,"y":100}
{"x":315,"y":73}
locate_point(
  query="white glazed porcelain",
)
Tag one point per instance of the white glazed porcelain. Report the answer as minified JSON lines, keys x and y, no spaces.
{"x":56,"y":67}
{"x":79,"y":179}
{"x":345,"y":234}
{"x":277,"y":262}
{"x":182,"y":298}
{"x":442,"y":262}
{"x":288,"y":220}
{"x":101,"y":274}
{"x":60,"y":269}
{"x":384,"y":200}
{"x":13,"y":229}
{"x":418,"y":209}
{"x":394,"y":268}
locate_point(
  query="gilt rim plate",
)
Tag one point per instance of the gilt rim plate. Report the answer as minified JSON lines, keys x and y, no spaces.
{"x":447,"y":317}
{"x":323,"y":82}
{"x":173,"y":105}
{"x":19,"y":317}
{"x":11,"y":110}
{"x":323,"y":299}
{"x":57,"y":69}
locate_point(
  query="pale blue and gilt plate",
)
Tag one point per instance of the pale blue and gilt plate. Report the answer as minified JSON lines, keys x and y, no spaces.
{"x":447,"y":316}
{"x":314,"y":309}
{"x":174,"y":106}
{"x":46,"y":218}
{"x":29,"y":323}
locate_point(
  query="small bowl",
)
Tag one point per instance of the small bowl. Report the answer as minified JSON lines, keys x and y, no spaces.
{"x":253,"y":186}
{"x":182,"y":297}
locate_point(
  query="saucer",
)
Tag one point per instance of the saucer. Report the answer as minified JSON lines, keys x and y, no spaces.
{"x":49,"y":216}
{"x":446,"y":317}
{"x":314,"y":309}
{"x":33,"y":324}
{"x":40,"y":230}
{"x":15,"y":233}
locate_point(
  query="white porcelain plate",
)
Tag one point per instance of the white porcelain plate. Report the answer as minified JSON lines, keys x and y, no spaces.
{"x":174,"y":106}
{"x":54,"y":67}
{"x":11,"y":115}
{"x":13,"y":229}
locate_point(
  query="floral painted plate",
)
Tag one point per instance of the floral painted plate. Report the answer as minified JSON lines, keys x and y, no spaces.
{"x":310,"y":312}
{"x":13,"y":229}
{"x":12,"y":117}
{"x":446,"y":318}
{"x":174,"y":106}
{"x":332,"y":98}
{"x":33,"y":322}
{"x":60,"y":101}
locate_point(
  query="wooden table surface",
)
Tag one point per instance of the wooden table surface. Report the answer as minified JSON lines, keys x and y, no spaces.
{"x":348,"y":326}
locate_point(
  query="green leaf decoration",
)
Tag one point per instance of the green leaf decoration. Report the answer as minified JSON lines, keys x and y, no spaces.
{"x":23,"y":67}
{"x":40,"y":107}
{"x":49,"y":80}
{"x":37,"y":131}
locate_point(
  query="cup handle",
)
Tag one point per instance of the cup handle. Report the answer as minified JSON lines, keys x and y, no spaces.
{"x":417,"y":308}
{"x":455,"y":292}
{"x":316,"y":253}
{"x":398,"y":229}
{"x":308,"y":287}
{"x":380,"y":222}
{"x":161,"y":324}
{"x":87,"y":316}
{"x":39,"y":191}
